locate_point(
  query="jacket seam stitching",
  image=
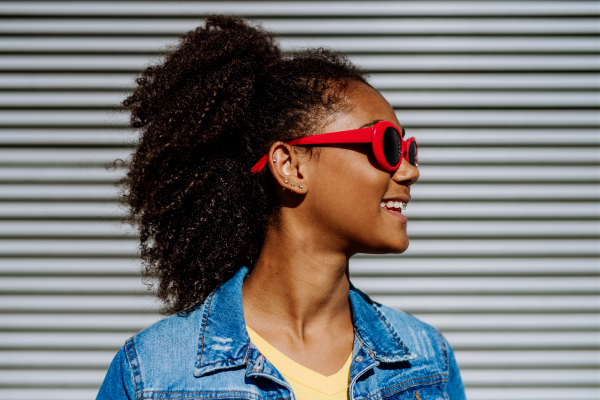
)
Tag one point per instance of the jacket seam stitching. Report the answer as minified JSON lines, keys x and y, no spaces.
{"x":444,"y":350}
{"x":205,"y":322}
{"x":135,"y":368}
{"x":389,"y":329}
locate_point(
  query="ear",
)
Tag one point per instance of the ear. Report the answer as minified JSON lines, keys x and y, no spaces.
{"x":287,"y":167}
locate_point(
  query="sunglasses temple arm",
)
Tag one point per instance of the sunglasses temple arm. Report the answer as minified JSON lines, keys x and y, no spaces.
{"x":260,"y":164}
{"x":353,"y":136}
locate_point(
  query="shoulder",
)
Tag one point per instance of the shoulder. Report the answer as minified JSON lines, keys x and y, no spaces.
{"x":174,"y":337}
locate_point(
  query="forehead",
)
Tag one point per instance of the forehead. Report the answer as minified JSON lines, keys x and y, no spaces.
{"x":367,"y":105}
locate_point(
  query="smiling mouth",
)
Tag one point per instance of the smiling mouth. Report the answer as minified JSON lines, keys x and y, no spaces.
{"x":397,"y":206}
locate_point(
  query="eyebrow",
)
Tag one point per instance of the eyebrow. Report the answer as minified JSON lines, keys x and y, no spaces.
{"x":370,"y":124}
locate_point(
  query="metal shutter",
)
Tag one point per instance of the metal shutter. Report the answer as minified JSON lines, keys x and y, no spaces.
{"x":502,"y":97}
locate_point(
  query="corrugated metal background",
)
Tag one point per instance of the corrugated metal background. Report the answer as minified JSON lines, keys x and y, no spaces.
{"x":502,"y":97}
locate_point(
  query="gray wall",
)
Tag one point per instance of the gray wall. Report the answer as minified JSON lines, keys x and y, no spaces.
{"x":502,"y":97}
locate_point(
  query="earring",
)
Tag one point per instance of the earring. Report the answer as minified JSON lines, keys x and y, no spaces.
{"x":300,"y":186}
{"x":293,"y":184}
{"x":274,"y":159}
{"x":285,"y":180}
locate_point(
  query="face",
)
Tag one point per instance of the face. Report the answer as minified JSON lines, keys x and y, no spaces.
{"x":346,"y":186}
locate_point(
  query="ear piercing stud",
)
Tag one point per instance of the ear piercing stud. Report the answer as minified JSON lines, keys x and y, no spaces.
{"x":293,"y":184}
{"x":285,"y":180}
{"x":274,"y":159}
{"x":300,"y":186}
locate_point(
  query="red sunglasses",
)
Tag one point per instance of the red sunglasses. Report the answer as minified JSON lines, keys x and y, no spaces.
{"x":385,"y":137}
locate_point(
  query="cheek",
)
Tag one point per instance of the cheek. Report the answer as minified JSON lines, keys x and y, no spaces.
{"x":352,"y":193}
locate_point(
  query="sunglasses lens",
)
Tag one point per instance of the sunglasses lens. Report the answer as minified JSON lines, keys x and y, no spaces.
{"x":391,"y":146}
{"x":412,"y":154}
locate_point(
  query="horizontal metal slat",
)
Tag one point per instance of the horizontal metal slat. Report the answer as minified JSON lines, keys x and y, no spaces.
{"x":424,"y":191}
{"x":82,"y":210}
{"x":360,"y":265}
{"x":80,"y":266}
{"x":476,"y":62}
{"x":536,"y":393}
{"x":96,"y":322}
{"x":435,"y":62}
{"x":73,"y":174}
{"x":369,"y":265}
{"x":509,"y":322}
{"x":528,"y":359}
{"x":513,"y":137}
{"x":531,"y":378}
{"x":513,"y":191}
{"x":413,"y":300}
{"x":104,"y":81}
{"x":489,"y":174}
{"x":504,"y":247}
{"x":447,"y":285}
{"x":497,"y":99}
{"x":398,"y":99}
{"x":321,"y":26}
{"x":130,"y":285}
{"x":526,"y":340}
{"x":382,"y":81}
{"x":448,"y":174}
{"x":308,"y":8}
{"x":458,"y":340}
{"x":418,"y":247}
{"x":425,"y":136}
{"x":422,"y":210}
{"x":508,"y":155}
{"x":384,"y":44}
{"x":482,"y":229}
{"x":420,"y":303}
{"x":409,"y":118}
{"x":450,"y":229}
{"x":50,"y":393}
{"x":446,"y":321}
{"x":32,"y":378}
{"x":112,"y":303}
{"x":71,"y":247}
{"x":85,"y":158}
{"x":108,"y":229}
{"x":504,"y":80}
{"x":401,"y":285}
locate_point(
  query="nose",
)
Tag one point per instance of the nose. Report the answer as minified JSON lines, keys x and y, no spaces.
{"x":406,"y":174}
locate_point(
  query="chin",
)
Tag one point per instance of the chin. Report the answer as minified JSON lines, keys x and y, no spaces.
{"x":395,"y":247}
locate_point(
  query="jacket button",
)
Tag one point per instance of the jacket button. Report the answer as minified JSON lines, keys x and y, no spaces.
{"x":358,"y":359}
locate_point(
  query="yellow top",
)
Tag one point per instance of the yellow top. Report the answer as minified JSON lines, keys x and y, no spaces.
{"x":306,"y":383}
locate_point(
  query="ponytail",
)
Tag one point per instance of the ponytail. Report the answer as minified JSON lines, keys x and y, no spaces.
{"x":205,"y":116}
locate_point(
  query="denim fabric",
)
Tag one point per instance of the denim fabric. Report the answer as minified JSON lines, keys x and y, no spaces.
{"x":207,"y":354}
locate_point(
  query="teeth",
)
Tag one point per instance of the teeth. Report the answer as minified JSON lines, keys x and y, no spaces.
{"x":382,"y":204}
{"x":404,"y":206}
{"x":397,"y":204}
{"x":390,"y":204}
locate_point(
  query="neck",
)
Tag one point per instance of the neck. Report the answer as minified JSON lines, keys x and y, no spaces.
{"x":298,"y":284}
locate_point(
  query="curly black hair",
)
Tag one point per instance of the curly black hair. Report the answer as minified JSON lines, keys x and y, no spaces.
{"x":206,"y":115}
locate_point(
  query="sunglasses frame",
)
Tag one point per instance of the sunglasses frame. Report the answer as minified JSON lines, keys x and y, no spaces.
{"x":373,"y":135}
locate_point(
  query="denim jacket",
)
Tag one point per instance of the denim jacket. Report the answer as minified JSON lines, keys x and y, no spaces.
{"x":207,"y":354}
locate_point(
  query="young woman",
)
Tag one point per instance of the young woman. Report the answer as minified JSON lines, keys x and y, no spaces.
{"x":257,"y":176}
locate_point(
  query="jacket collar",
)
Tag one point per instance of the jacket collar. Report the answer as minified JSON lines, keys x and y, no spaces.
{"x":224,"y":342}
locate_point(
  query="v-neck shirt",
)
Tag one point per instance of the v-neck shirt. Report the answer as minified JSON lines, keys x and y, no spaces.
{"x":306,"y":383}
